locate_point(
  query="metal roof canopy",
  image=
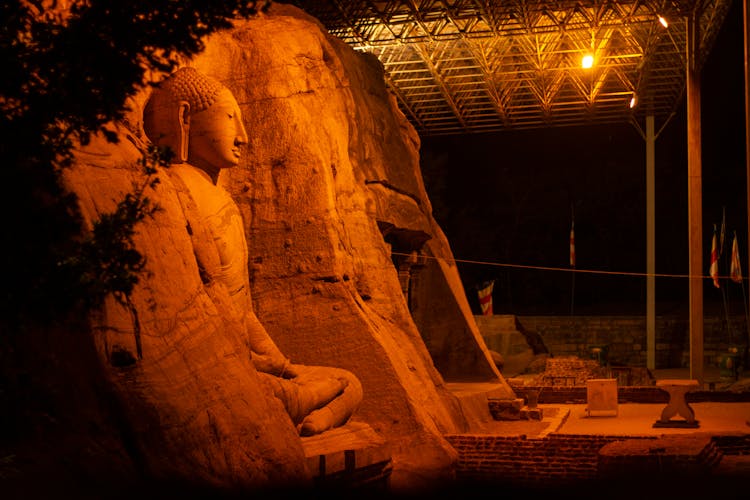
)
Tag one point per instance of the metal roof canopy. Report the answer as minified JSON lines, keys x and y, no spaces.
{"x":466,"y":66}
{"x":463,"y":66}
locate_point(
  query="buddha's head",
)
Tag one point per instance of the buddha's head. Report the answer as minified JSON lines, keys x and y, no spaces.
{"x":198,"y":118}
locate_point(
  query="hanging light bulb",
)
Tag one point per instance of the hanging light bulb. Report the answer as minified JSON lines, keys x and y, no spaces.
{"x":663,"y":22}
{"x":633,"y":101}
{"x":588,"y":58}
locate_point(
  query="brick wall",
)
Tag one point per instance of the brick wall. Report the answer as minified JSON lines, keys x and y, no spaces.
{"x":625,"y":336}
{"x":556,"y":459}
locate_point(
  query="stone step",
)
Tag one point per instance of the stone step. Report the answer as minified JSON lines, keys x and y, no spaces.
{"x":353,"y":455}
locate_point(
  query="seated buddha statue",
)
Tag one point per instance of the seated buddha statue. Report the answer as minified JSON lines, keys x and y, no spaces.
{"x":200,"y":121}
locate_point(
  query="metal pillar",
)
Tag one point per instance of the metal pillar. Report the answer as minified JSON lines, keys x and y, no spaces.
{"x":650,"y":246}
{"x":695,"y":202}
{"x":746,"y":38}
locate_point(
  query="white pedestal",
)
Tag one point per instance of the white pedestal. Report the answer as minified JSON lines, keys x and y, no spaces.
{"x":601,"y":396}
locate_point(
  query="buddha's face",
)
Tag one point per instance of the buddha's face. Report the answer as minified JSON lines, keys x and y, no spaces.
{"x":216,"y":134}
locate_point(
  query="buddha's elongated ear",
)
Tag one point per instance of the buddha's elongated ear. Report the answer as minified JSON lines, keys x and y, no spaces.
{"x":183,"y":116}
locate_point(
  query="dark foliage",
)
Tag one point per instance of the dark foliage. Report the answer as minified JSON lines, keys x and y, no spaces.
{"x":66,"y":76}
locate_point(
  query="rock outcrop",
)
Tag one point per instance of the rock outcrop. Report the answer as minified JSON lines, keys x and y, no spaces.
{"x":333,"y":198}
{"x":174,"y":354}
{"x":348,"y":269}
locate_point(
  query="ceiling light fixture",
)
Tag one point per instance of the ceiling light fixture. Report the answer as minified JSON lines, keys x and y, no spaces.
{"x":663,"y":22}
{"x":588,"y":57}
{"x":633,"y":101}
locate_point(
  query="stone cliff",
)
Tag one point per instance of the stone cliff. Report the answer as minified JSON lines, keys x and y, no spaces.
{"x":348,"y":269}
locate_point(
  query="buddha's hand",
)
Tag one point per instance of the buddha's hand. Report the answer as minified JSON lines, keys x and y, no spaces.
{"x":276,"y":365}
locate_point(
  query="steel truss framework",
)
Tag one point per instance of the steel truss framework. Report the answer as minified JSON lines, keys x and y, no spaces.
{"x":465,"y":66}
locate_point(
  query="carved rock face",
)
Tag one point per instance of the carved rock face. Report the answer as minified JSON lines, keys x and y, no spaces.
{"x":176,"y":356}
{"x":330,"y":168}
{"x":216,"y":134}
{"x":211,"y":129}
{"x":330,"y":191}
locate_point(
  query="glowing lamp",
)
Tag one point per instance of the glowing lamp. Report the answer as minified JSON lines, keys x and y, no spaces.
{"x":587,"y":61}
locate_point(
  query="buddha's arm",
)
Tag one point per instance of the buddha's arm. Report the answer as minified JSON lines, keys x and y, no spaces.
{"x":266,"y":355}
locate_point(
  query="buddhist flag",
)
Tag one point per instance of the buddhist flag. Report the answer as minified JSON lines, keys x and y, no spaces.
{"x":714,"y":269}
{"x":572,"y":244}
{"x":735,"y":272}
{"x":485,"y":297}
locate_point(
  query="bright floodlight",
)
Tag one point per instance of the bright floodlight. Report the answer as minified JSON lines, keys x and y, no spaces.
{"x":633,"y":101}
{"x":587,"y":61}
{"x":663,"y":22}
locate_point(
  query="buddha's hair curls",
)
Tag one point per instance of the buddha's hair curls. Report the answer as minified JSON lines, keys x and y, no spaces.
{"x":188,"y":84}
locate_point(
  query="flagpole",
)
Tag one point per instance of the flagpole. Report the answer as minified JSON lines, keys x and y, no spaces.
{"x":723,"y":230}
{"x":726,"y":314}
{"x":572,"y":259}
{"x":727,"y":265}
{"x":572,"y":290}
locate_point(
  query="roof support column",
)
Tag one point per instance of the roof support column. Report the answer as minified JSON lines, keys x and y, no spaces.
{"x":746,"y":39}
{"x":650,"y":246}
{"x":695,"y":202}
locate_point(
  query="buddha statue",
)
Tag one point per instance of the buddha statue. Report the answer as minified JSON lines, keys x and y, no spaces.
{"x":200,"y":121}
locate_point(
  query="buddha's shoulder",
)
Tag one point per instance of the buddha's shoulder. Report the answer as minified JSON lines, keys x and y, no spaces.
{"x":190,"y":174}
{"x":198,"y":183}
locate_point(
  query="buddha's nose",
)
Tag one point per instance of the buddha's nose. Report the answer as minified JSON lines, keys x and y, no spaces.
{"x":241,"y":138}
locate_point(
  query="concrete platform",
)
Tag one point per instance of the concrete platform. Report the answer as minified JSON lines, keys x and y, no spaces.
{"x":638,"y":419}
{"x":632,"y":419}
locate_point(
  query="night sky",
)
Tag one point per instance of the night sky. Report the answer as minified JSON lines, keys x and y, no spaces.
{"x":506,"y":198}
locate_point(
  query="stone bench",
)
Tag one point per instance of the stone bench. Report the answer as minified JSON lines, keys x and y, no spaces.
{"x":677,"y":405}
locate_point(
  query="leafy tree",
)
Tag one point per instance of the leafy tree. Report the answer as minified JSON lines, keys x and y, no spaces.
{"x":68,"y":68}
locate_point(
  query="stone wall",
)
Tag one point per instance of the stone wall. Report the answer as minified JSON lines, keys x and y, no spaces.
{"x":624,"y":336}
{"x":340,"y":232}
{"x":338,"y":227}
{"x":555,"y":460}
